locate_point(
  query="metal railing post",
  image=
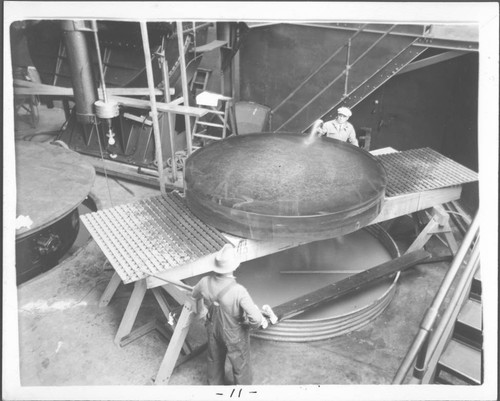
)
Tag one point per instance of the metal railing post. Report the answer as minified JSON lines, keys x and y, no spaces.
{"x":317,"y":70}
{"x":335,"y":79}
{"x":347,"y":67}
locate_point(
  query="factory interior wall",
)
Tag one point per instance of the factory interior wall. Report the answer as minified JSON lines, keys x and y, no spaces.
{"x":436,"y":107}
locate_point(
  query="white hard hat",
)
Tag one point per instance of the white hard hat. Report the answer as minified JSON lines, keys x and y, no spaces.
{"x":226,"y":260}
{"x":344,"y":111}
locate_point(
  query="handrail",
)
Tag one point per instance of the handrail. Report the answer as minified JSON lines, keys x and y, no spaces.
{"x":422,"y":337}
{"x":449,"y":314}
{"x":336,"y":78}
{"x":317,"y":70}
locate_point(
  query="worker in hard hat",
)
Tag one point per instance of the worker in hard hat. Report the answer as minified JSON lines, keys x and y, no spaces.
{"x":339,"y":128}
{"x":231,"y":314}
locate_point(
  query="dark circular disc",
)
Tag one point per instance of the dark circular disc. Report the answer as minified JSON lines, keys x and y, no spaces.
{"x":51,"y":182}
{"x":279,"y":185}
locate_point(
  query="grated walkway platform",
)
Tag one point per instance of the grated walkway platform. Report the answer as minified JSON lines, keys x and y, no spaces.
{"x":418,"y":170}
{"x":152,"y":235}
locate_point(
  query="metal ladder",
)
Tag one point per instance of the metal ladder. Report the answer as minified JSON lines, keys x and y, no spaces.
{"x":200,"y":80}
{"x":219,"y":107}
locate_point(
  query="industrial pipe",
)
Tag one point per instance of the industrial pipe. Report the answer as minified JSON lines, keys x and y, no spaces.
{"x":99,"y":60}
{"x":455,"y":301}
{"x":432,"y":313}
{"x":84,"y":88}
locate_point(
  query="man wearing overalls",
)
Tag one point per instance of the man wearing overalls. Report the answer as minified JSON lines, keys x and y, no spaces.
{"x":231,"y":314}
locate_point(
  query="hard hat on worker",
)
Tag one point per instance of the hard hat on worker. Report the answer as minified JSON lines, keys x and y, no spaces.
{"x":344,"y":111}
{"x":226,"y":260}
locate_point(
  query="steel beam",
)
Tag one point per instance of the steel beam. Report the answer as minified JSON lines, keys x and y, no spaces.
{"x":426,"y":62}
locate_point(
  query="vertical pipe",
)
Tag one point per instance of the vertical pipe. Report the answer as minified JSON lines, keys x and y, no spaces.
{"x":166,"y":87}
{"x":84,"y":89}
{"x":457,"y":299}
{"x":152,"y":99}
{"x":418,"y":369}
{"x":347,"y":66}
{"x":99,"y":61}
{"x":185,"y":92}
{"x":432,"y":312}
{"x":223,"y":32}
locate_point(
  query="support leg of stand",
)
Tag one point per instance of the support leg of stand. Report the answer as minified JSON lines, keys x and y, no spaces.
{"x":175,"y":345}
{"x":133,"y":307}
{"x":439,"y":224}
{"x":424,"y":236}
{"x":166,"y":309}
{"x":452,"y":242}
{"x":110,"y":290}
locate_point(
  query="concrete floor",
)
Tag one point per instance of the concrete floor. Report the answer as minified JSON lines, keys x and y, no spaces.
{"x":66,"y":339}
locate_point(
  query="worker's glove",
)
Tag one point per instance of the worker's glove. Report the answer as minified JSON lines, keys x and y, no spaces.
{"x":264,"y":323}
{"x":268,"y":312}
{"x":317,"y":128}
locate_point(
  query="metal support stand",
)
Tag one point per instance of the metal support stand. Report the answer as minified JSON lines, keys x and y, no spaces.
{"x":132,"y":310}
{"x":174,"y":347}
{"x":175,"y":332}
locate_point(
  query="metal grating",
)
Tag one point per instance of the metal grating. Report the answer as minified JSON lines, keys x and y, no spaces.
{"x":151,"y":236}
{"x":422,"y":169}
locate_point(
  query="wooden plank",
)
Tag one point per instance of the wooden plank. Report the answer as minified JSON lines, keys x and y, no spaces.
{"x":410,"y":203}
{"x":197,"y":351}
{"x":30,"y":88}
{"x":46,"y":90}
{"x":164,"y":306}
{"x":133,"y":306}
{"x":133,"y":91}
{"x":110,"y":290}
{"x":424,"y":236}
{"x":342,"y":287}
{"x":215,"y":44}
{"x":202,"y":265}
{"x":138,"y":333}
{"x":185,"y":91}
{"x":170,"y":118}
{"x":174,"y":347}
{"x":164,"y":107}
{"x":154,"y":110}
